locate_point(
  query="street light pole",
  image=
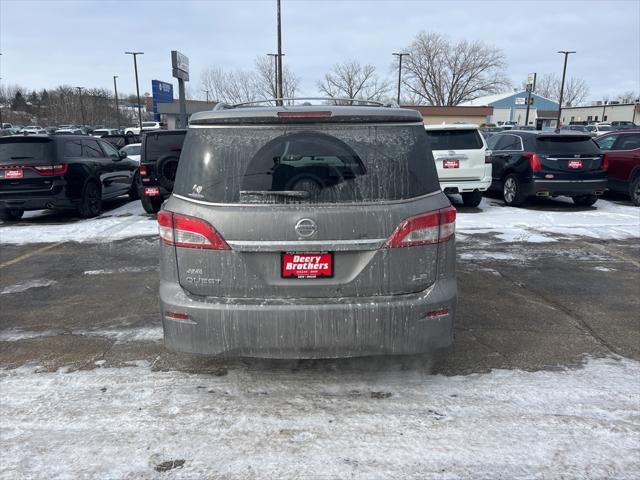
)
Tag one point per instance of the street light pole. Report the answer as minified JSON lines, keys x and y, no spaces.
{"x":81,"y":106}
{"x":207,"y":93}
{"x":279,"y":62}
{"x":275,"y":78}
{"x":115,"y":88}
{"x":135,"y":67}
{"x":400,"y":55}
{"x":564,"y":72}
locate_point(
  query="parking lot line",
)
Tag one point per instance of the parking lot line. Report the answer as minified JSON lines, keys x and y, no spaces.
{"x":30,"y":254}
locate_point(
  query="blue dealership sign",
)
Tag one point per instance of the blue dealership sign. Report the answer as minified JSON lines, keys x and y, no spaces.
{"x":162,"y":93}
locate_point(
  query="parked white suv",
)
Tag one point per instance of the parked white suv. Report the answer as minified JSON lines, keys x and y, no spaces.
{"x":459,"y":152}
{"x":146,"y":127}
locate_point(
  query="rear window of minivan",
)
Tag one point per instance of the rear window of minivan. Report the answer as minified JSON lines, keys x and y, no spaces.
{"x":454,"y":139}
{"x":328,"y":164}
{"x":559,"y":145}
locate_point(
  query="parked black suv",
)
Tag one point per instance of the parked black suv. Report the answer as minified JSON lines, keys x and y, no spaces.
{"x":159,"y":159}
{"x":59,"y":172}
{"x":546,"y":164}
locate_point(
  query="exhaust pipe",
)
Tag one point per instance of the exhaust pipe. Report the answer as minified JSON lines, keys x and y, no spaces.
{"x":542,"y":194}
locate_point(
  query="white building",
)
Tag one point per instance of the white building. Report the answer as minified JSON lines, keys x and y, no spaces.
{"x":512,"y":107}
{"x":600,"y":112}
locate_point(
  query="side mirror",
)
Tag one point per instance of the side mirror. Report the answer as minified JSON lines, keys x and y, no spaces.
{"x":122,"y":154}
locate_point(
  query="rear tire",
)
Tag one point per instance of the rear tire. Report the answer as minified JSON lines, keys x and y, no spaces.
{"x":512,"y":191}
{"x":11,"y":214}
{"x":634,"y":191}
{"x":472,"y":199}
{"x":151,"y":204}
{"x":166,"y":168}
{"x":133,"y":191}
{"x":91,"y":203}
{"x":585,"y":200}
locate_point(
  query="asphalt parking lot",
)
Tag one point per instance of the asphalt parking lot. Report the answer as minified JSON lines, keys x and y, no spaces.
{"x":79,"y":321}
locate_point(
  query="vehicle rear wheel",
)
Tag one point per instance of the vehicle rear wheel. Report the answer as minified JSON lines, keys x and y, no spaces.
{"x":585,"y":200}
{"x":151,"y":204}
{"x":11,"y":214}
{"x":133,"y":190}
{"x":472,"y":199}
{"x":634,"y":191}
{"x":512,"y":191}
{"x":129,"y":134}
{"x":91,"y":203}
{"x":166,"y":166}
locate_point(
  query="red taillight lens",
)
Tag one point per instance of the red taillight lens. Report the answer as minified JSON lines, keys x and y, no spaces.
{"x":487,"y":159}
{"x":304,"y":114}
{"x":188,"y":232}
{"x":142,"y":169}
{"x":51,"y":170}
{"x":534,"y":161}
{"x":428,"y":228}
{"x":605,"y":162}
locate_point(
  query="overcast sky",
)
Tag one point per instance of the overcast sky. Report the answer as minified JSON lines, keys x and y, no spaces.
{"x":82,"y":43}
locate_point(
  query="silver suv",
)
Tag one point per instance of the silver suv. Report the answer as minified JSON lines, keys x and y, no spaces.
{"x":307,"y":232}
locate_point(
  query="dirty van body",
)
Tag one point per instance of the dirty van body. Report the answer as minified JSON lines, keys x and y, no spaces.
{"x":307,"y":232}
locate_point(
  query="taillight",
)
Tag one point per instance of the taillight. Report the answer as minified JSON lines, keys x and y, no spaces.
{"x":188,"y":232}
{"x":51,"y":170}
{"x":534,"y":161}
{"x":425,"y":229}
{"x":605,"y":162}
{"x":487,"y":158}
{"x":142,"y":169}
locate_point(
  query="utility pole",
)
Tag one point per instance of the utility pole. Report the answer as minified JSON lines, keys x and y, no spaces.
{"x":604,"y":109}
{"x":400,"y":55}
{"x":8,"y":99}
{"x":81,"y":106}
{"x":207,"y":93}
{"x":275,"y":76}
{"x":279,"y":82}
{"x":115,"y":88}
{"x":531,"y":86}
{"x":564,"y":72}
{"x":135,"y":67}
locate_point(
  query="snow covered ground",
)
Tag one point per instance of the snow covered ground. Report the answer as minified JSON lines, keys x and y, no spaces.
{"x":534,"y":223}
{"x":336,"y":419}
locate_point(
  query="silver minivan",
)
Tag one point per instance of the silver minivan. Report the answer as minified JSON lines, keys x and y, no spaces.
{"x":307,"y":232}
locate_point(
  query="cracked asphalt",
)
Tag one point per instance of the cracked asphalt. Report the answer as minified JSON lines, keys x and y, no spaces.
{"x":528,"y":306}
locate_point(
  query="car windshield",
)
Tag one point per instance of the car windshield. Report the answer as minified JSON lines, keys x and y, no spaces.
{"x":148,"y":124}
{"x":132,"y":150}
{"x":454,"y":139}
{"x":297,"y":165}
{"x":604,"y":128}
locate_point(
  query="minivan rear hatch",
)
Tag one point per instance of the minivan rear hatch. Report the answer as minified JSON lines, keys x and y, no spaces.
{"x":305,"y":210}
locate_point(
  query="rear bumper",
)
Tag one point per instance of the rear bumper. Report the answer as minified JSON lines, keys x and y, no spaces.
{"x":309,"y":328}
{"x":454,"y":185}
{"x":566,"y":187}
{"x":37,"y":200}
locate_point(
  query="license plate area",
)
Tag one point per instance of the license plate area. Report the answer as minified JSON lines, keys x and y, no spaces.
{"x":451,"y":163}
{"x":13,"y":173}
{"x":574,"y":164}
{"x":306,"y":265}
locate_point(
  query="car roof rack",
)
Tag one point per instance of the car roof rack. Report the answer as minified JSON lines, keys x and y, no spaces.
{"x":275,"y":101}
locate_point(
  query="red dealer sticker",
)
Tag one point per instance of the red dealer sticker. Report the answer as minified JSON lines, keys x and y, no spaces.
{"x":575,"y":164}
{"x":307,"y":265}
{"x":451,"y":163}
{"x":13,"y":173}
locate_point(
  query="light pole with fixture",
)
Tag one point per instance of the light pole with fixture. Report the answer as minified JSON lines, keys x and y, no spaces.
{"x":135,"y":67}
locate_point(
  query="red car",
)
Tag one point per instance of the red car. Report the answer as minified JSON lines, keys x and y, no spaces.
{"x":622,"y":150}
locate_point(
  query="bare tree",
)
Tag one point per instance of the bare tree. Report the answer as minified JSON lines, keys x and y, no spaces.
{"x":627,"y":97}
{"x":354,"y":80}
{"x":234,"y":86}
{"x":265,"y":79}
{"x":575,"y":89}
{"x":441,"y":72}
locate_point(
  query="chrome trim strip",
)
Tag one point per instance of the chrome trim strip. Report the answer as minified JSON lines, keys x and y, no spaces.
{"x":309,"y":205}
{"x":604,"y":180}
{"x":306,"y":246}
{"x":573,"y":158}
{"x":289,"y":125}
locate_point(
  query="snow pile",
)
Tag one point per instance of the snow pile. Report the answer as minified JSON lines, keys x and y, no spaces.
{"x":22,"y":287}
{"x":126,"y":221}
{"x":264,"y":421}
{"x":540,"y":223}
